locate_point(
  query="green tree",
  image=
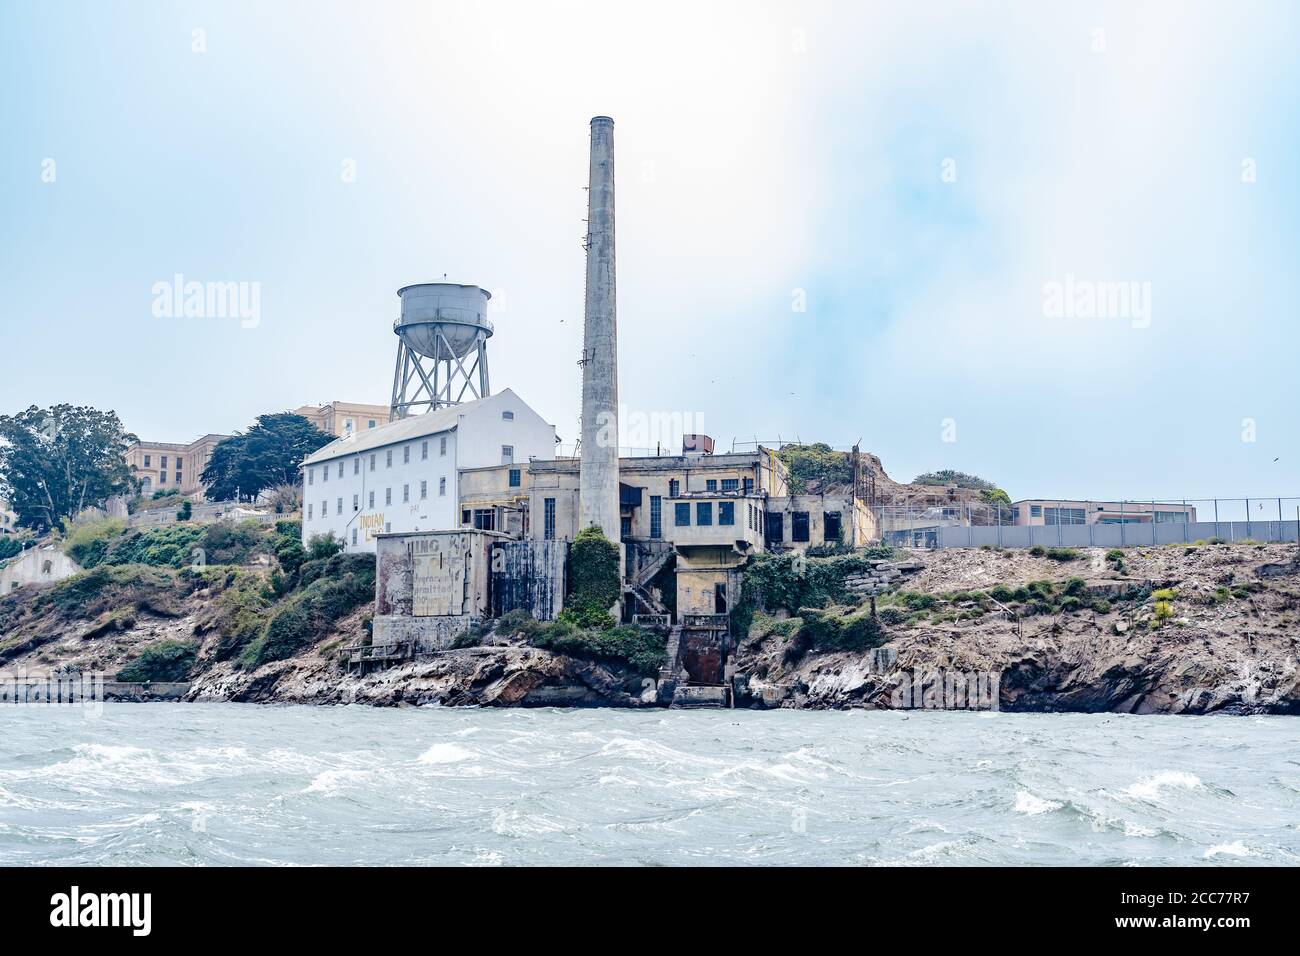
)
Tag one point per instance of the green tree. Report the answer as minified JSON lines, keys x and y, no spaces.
{"x":265,"y":456}
{"x":56,"y":461}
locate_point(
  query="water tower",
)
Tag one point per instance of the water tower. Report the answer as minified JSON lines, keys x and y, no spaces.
{"x":442,"y":336}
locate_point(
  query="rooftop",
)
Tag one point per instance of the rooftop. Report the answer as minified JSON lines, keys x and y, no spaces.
{"x":404,"y":429}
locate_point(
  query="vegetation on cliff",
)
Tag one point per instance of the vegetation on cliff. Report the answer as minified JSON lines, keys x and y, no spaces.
{"x":162,"y":661}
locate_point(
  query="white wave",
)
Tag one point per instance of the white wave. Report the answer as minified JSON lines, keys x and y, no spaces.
{"x":446,"y":753}
{"x":1026,"y":802}
{"x":1235,"y":848}
{"x":330,"y":782}
{"x":1150,"y":788}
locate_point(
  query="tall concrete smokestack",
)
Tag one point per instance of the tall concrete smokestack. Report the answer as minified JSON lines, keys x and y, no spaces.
{"x":598,"y":475}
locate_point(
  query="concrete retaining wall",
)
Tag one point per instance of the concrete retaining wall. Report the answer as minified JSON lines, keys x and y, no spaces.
{"x":1114,"y":535}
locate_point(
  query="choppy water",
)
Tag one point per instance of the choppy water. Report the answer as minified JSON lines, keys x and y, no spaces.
{"x":229,"y":783}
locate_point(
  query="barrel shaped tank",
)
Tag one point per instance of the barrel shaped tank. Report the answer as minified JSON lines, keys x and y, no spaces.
{"x":442,"y":320}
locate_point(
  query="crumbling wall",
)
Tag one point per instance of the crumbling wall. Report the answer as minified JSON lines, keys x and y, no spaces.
{"x":529,"y":575}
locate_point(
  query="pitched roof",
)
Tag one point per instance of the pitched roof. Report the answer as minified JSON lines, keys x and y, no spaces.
{"x":404,"y":429}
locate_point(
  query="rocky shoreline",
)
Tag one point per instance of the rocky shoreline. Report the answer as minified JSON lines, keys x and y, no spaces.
{"x":1223,"y":636}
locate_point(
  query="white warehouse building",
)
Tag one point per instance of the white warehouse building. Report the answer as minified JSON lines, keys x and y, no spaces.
{"x":405,"y":476}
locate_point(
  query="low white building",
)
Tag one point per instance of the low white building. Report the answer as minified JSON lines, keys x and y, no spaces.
{"x":405,"y":476}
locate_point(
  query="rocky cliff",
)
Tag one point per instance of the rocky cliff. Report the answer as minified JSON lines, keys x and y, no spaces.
{"x":1196,"y":629}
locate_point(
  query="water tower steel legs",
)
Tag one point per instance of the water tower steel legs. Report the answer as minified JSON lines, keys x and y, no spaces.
{"x":422,"y":384}
{"x":598,"y":473}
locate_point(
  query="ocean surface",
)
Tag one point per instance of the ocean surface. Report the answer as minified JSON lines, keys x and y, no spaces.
{"x":244,"y":784}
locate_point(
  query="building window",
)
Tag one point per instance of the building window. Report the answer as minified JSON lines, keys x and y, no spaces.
{"x":465,"y":516}
{"x":682,"y":514}
{"x":749,"y":486}
{"x":163,"y":462}
{"x":704,"y":513}
{"x":162,"y":477}
{"x":442,"y":487}
{"x":339,"y":506}
{"x":507,"y":454}
{"x":370,"y":503}
{"x":372,"y":423}
{"x":309,"y":511}
{"x":798,"y":526}
{"x":514,"y":478}
{"x":726,"y":512}
{"x":406,"y":493}
{"x":340,"y":467}
{"x":674,"y":487}
{"x":354,"y":537}
{"x":178,"y":477}
{"x":388,"y":496}
{"x":442,"y":445}
{"x":507,"y":416}
{"x":711,"y":484}
{"x":656,"y":516}
{"x":424,"y":489}
{"x":731,"y":484}
{"x":325,"y":473}
{"x":424,"y":451}
{"x":388,"y":458}
{"x":179,"y":462}
{"x":774,"y":527}
{"x":356,"y":465}
{"x":356,"y":502}
{"x":372,"y":462}
{"x":406,"y":454}
{"x":831,"y":526}
{"x":324,"y":508}
{"x":146,"y":461}
{"x":1035,"y":511}
{"x":347,"y":427}
{"x":1063,"y":516}
{"x":548,"y":519}
{"x":485,"y":519}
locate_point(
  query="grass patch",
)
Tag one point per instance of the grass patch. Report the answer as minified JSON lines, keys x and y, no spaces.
{"x":162,"y":661}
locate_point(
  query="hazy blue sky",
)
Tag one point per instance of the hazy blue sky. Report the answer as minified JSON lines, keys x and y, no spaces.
{"x":766,"y":153}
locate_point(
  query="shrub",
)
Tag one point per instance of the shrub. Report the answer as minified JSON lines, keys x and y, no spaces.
{"x":1063,"y":554}
{"x":320,"y":546}
{"x":107,"y":588}
{"x":163,"y":661}
{"x":1114,"y":554}
{"x":339,"y":585}
{"x":639,"y":649}
{"x":594,"y":571}
{"x":186,"y":512}
{"x":1074,"y":587}
{"x":229,"y":542}
{"x":516,"y":622}
{"x":466,"y":638}
{"x":1000,"y":592}
{"x":88,"y":543}
{"x":9,"y":546}
{"x":831,"y":630}
{"x":892,"y":615}
{"x":1038,"y":551}
{"x":916,"y":600}
{"x":290,"y":553}
{"x":1164,"y":594}
{"x":1163,"y":612}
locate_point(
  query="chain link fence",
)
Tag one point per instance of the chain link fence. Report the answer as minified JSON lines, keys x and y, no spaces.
{"x":1089,"y":523}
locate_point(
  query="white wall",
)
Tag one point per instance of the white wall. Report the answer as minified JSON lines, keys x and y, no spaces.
{"x":474,"y":443}
{"x":432,"y":513}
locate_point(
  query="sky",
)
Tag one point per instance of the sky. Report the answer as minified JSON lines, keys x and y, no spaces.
{"x":838,"y":222}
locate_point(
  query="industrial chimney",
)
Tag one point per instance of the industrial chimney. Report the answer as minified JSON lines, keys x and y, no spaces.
{"x":598,"y":468}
